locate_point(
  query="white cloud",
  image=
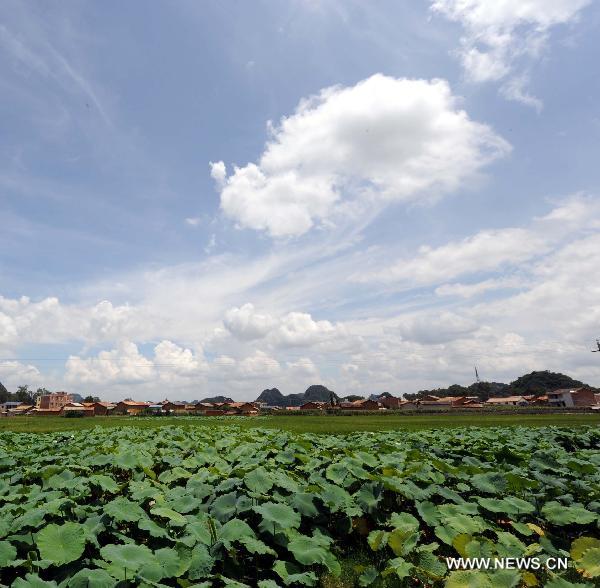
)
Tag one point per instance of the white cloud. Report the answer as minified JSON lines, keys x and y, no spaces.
{"x":384,"y":138}
{"x":16,"y":373}
{"x":304,"y":367}
{"x":218,"y":171}
{"x":258,"y":365}
{"x":126,"y":365}
{"x":299,"y":329}
{"x":292,"y":329}
{"x":485,"y":251}
{"x":477,"y":288}
{"x":500,"y":33}
{"x":122,"y":365}
{"x":435,"y":328}
{"x":490,"y":250}
{"x":247,"y":324}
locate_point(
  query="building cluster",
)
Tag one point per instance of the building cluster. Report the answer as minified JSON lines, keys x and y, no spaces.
{"x":564,"y":398}
{"x":63,"y":404}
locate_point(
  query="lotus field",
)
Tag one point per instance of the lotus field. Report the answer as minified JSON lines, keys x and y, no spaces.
{"x":201,"y":506}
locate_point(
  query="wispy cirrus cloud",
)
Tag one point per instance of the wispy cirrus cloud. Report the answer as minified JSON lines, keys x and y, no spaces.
{"x":503,"y":37}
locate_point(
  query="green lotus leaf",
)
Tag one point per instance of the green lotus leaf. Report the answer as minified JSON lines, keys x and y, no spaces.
{"x":404,"y":521}
{"x":127,"y":460}
{"x":368,"y":576}
{"x":431,"y":565}
{"x":303,"y":502}
{"x":127,"y":557}
{"x":171,"y":562}
{"x":291,"y":575}
{"x":339,"y":474}
{"x":201,"y":562}
{"x":398,"y":567}
{"x":368,"y":496}
{"x":256,"y":546}
{"x":124,"y":510}
{"x":258,"y":481}
{"x":589,"y":562}
{"x":428,"y":512}
{"x":558,"y":514}
{"x":88,"y":578}
{"x":377,"y":539}
{"x":277,"y":516}
{"x":175,"y":518}
{"x":490,"y":483}
{"x":33,"y":581}
{"x":268,"y":584}
{"x":307,"y":552}
{"x":61,"y":544}
{"x":402,"y":541}
{"x":582,"y":544}
{"x":233,"y":583}
{"x":224,"y":507}
{"x":105,"y":482}
{"x":468,"y":579}
{"x":235,"y":529}
{"x":147,"y":524}
{"x":558,"y":582}
{"x":8,"y":553}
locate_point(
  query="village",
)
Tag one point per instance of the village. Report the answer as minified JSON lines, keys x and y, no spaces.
{"x":64,"y":404}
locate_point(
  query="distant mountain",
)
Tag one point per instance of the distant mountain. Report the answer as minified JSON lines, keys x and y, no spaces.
{"x":217,"y":399}
{"x":318,"y":393}
{"x":314,"y":393}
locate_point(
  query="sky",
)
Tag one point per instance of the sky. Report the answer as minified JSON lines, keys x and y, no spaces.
{"x":201,"y":198}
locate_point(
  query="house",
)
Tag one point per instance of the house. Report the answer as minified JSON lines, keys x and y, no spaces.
{"x":54,"y":400}
{"x":409,"y":405}
{"x":102,"y":408}
{"x":46,"y":411}
{"x":10,"y":404}
{"x":429,"y":398}
{"x":508,"y":401}
{"x":78,"y":408}
{"x":471,"y":403}
{"x":537,"y":400}
{"x":569,"y":397}
{"x":130,"y":407}
{"x":246,"y":408}
{"x":439,"y":404}
{"x":390,"y":402}
{"x":13,"y":408}
{"x":20,"y":410}
{"x":363,"y":404}
{"x":174,"y":407}
{"x":202,"y":408}
{"x":313,"y":405}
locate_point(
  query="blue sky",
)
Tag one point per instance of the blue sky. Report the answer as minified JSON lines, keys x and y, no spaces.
{"x":219,"y":197}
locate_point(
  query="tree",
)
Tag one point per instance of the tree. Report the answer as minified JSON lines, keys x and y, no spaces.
{"x":24,"y":394}
{"x":4,"y":393}
{"x":91,"y":399}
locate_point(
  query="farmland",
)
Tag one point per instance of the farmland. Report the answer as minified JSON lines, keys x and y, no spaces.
{"x":308,"y":424}
{"x":225,"y":505}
